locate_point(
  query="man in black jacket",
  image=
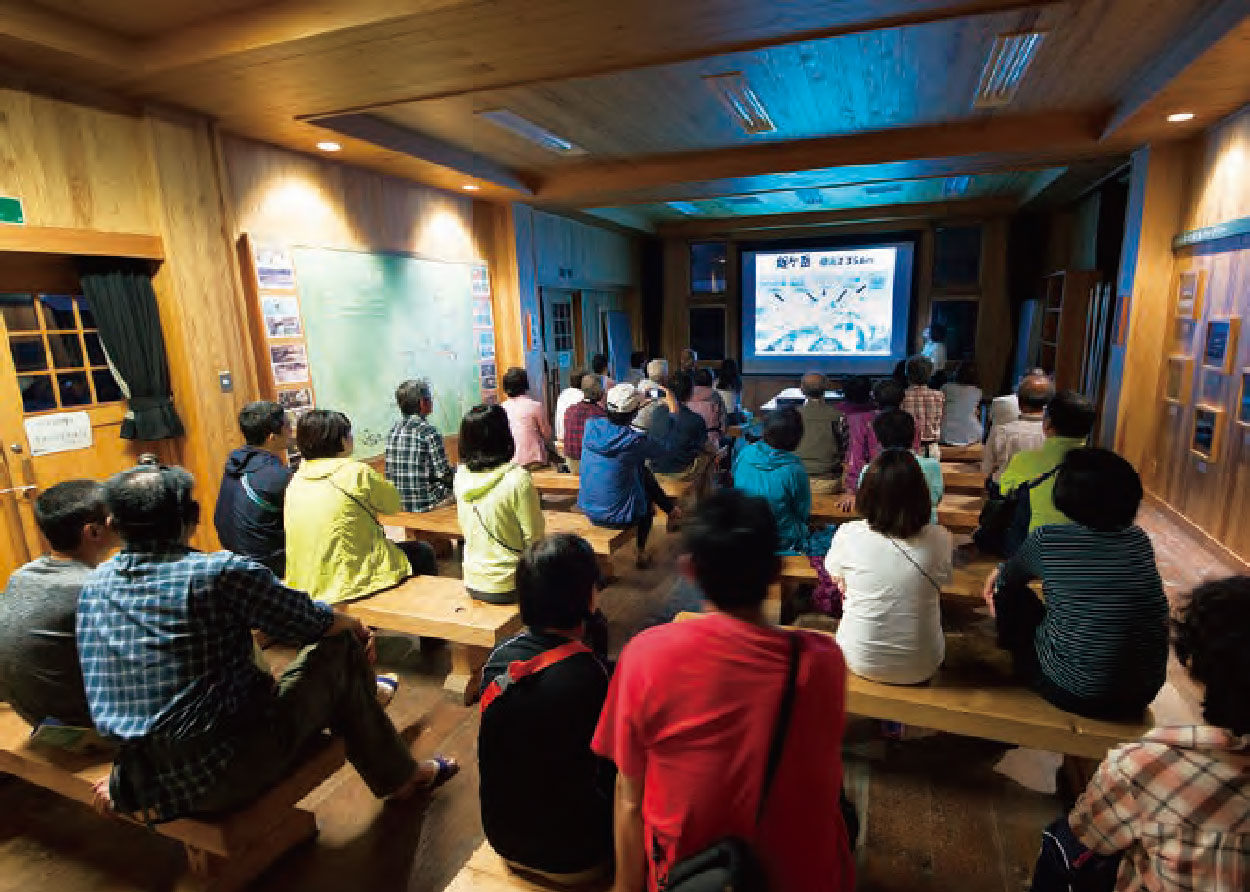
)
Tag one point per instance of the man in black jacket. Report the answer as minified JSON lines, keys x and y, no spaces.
{"x":249,"y":506}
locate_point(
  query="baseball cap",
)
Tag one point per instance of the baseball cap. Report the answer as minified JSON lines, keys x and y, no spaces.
{"x":623,"y":398}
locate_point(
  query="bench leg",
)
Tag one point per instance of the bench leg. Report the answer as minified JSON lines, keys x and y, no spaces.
{"x":465,"y":678}
{"x":209,"y":872}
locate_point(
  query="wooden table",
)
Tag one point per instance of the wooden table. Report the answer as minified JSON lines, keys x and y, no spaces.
{"x":443,"y":523}
{"x":958,"y":513}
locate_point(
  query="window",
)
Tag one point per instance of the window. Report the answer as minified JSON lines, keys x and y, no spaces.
{"x":957,"y":258}
{"x":56,"y":352}
{"x":562,"y":325}
{"x":707,"y":267}
{"x":707,"y":332}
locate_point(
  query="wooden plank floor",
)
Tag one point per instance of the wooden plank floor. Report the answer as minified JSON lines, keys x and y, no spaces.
{"x":939,"y":819}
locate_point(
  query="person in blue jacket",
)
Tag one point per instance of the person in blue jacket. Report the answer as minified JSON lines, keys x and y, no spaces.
{"x":249,"y":515}
{"x":617,"y":489}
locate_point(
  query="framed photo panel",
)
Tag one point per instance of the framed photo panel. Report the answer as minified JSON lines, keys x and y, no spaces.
{"x":1243,"y":399}
{"x":1179,"y":381}
{"x":1219,"y":344}
{"x":1189,"y":289}
{"x":1208,"y":432}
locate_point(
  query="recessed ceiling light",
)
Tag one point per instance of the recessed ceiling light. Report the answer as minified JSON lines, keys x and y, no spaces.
{"x":1009,"y":59}
{"x":736,"y":95}
{"x":527,"y":129}
{"x":329,"y":146}
{"x":470,"y":187}
{"x":1180,"y":117}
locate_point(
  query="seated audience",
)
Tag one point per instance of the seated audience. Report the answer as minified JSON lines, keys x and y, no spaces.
{"x":691,"y":714}
{"x":530,"y":431}
{"x":887,"y":394}
{"x":39,"y":672}
{"x":895,"y":429}
{"x":654,"y":413}
{"x":617,"y":489}
{"x":164,"y":636}
{"x":689,"y":360}
{"x":568,"y":396}
{"x":856,"y":397}
{"x":1006,"y":408}
{"x":689,"y":452}
{"x":499,"y":509}
{"x":729,"y":386}
{"x":250,"y":501}
{"x":961,"y":418}
{"x":1024,"y":431}
{"x":891,"y":567}
{"x":1066,"y":423}
{"x":826,"y":436}
{"x":1174,"y":807}
{"x":924,"y":404}
{"x":637,"y":360}
{"x":591,"y":406}
{"x":336,"y":548}
{"x":707,"y":404}
{"x":546,"y":798}
{"x":1098,"y":644}
{"x":770,"y":469}
{"x":416,"y":459}
{"x":599,"y":366}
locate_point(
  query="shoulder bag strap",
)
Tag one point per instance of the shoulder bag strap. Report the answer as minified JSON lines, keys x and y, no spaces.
{"x":923,"y":572}
{"x":489,"y":531}
{"x":782,"y":727}
{"x":519,"y":669}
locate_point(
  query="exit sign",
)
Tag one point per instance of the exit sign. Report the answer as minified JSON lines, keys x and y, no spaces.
{"x":11,"y":210}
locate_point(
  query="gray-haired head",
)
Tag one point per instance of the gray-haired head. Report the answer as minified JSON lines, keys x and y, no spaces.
{"x":412,"y":395}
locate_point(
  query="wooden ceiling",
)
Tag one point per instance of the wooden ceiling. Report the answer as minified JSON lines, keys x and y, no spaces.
{"x":864,"y":93}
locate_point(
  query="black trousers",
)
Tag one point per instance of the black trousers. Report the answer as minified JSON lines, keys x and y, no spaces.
{"x":420,"y":557}
{"x":655,"y":496}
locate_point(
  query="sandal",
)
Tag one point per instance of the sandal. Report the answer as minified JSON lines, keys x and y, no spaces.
{"x":388,"y":684}
{"x":447,"y":769}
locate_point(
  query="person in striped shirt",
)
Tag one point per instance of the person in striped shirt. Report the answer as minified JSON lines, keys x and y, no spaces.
{"x":1098,"y":646}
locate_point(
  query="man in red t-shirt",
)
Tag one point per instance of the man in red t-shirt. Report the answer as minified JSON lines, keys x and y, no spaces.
{"x":690,"y":716}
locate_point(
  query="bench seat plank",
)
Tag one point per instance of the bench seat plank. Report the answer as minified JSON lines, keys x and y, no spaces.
{"x":966,"y":582}
{"x":443,"y":523}
{"x":437,"y":607}
{"x":963,"y":454}
{"x":957,"y":512}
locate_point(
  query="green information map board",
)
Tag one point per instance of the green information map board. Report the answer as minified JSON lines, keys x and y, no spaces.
{"x":374,"y":320}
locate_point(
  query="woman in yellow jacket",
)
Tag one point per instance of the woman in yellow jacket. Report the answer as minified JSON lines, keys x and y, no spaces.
{"x":335,"y":545}
{"x":496,"y":503}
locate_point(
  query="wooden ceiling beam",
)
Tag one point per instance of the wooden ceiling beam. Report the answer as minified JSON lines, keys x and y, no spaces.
{"x":632,"y":58}
{"x":64,"y":34}
{"x":969,"y":208}
{"x":1203,"y":32}
{"x":1062,"y":135}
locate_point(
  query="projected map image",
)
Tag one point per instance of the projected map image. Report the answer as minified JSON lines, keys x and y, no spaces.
{"x":825,"y":303}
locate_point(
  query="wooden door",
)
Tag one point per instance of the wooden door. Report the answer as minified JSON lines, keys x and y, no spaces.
{"x":559,"y":341}
{"x":51,"y":364}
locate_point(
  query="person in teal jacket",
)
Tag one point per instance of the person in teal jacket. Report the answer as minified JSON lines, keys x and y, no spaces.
{"x":769,"y":468}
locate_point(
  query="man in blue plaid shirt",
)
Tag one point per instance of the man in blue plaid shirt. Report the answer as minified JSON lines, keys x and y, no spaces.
{"x":416,"y":461}
{"x":164,"y":639}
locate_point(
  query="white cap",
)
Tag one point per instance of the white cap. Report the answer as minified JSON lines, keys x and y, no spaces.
{"x":624,"y":398}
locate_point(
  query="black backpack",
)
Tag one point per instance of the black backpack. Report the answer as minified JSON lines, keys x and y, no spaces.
{"x":1004,"y":522}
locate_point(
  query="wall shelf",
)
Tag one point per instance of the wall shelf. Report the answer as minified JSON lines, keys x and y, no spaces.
{"x":44,"y":240}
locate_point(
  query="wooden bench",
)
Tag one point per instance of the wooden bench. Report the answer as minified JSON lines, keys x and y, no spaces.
{"x":439,"y":607}
{"x":553,"y":483}
{"x":962,"y":477}
{"x":958,"y":513}
{"x":963,"y":454}
{"x":966,"y":582}
{"x":486,"y":871}
{"x":223,"y":854}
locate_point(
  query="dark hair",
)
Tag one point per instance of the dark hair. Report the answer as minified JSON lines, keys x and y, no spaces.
{"x":1034,"y":392}
{"x":682,"y":386}
{"x":703,"y":377}
{"x":621,"y":419}
{"x":260,"y":420}
{"x":888,"y":393}
{"x":576,"y":375}
{"x":732,"y":542}
{"x":728,"y":378}
{"x":1211,"y":632}
{"x":937,"y":332}
{"x":410,"y":395}
{"x":857,"y":390}
{"x":321,"y":433}
{"x":486,"y":438}
{"x":555,"y":579}
{"x":900,"y":372}
{"x":598,"y":363}
{"x":63,"y":509}
{"x":895,"y":429}
{"x":637,"y":359}
{"x":967,"y":374}
{"x":151,"y":503}
{"x":516,"y":381}
{"x":1098,"y":489}
{"x":894,"y":496}
{"x":919,"y":370}
{"x":1070,"y":414}
{"x":784,"y":429}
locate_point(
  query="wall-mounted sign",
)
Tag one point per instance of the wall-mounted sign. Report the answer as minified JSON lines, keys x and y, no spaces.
{"x":61,"y":432}
{"x":11,"y":211}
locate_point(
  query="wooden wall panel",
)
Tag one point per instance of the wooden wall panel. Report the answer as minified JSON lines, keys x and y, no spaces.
{"x":995,"y":337}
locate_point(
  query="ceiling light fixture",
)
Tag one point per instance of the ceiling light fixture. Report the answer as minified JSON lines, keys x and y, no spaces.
{"x":1180,"y":117}
{"x":528,"y":130}
{"x":329,"y":146}
{"x":736,"y":95}
{"x":683,"y":207}
{"x":470,"y":187}
{"x":1004,"y":70}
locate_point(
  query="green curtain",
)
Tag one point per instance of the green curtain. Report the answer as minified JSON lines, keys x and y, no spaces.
{"x":121,"y":297}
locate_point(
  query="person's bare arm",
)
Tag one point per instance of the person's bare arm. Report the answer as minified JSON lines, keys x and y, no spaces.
{"x":631,"y":853}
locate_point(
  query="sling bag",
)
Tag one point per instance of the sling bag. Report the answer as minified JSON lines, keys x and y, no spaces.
{"x":1004,"y":522}
{"x":519,"y":669}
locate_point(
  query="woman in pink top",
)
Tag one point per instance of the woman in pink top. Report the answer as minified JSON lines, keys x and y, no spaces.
{"x":888,"y":394}
{"x":707,"y":404}
{"x":530,"y":430}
